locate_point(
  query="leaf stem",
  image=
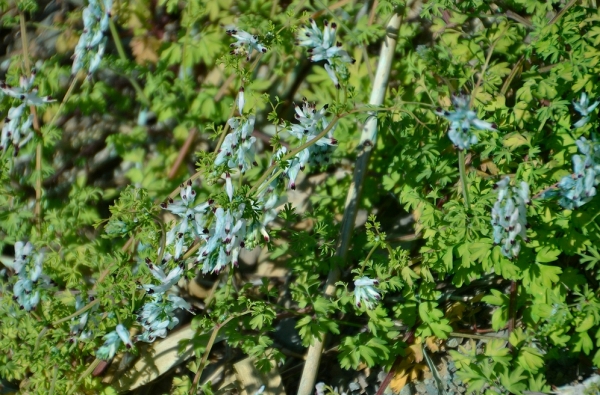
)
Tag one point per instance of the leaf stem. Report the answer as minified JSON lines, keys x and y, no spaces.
{"x":463,"y":178}
{"x":209,"y":346}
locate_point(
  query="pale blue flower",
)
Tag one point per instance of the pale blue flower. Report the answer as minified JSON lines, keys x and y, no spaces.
{"x":509,"y":216}
{"x":584,"y":108}
{"x":246,"y":43}
{"x":462,"y":119}
{"x":366,"y":292}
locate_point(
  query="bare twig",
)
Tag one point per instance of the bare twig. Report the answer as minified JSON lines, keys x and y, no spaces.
{"x":182,"y":153}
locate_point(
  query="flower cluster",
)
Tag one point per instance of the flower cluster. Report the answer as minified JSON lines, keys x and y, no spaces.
{"x":224,"y":240}
{"x":92,"y":43}
{"x":509,"y":216}
{"x":192,"y":218}
{"x":78,"y":325}
{"x":222,"y":230}
{"x":461,"y":121}
{"x":584,"y":108}
{"x":246,"y":43}
{"x":239,"y":146}
{"x":312,"y":123}
{"x":17,"y":124}
{"x":323,"y":46}
{"x":112,"y":342}
{"x":578,"y":188}
{"x":366,"y":293}
{"x":156,"y":315}
{"x":28,"y":268}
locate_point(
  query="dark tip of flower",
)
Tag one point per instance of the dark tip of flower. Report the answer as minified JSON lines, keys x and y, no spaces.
{"x":527,"y":240}
{"x":171,"y":201}
{"x":512,"y":242}
{"x":21,"y":307}
{"x":311,"y":20}
{"x":164,"y":205}
{"x":148,"y":261}
{"x":266,"y":238}
{"x":235,"y":263}
{"x":210,"y":201}
{"x":151,"y":291}
{"x":242,"y":244}
{"x":338,"y":44}
{"x":22,"y":97}
{"x":309,"y":50}
{"x":189,"y":183}
{"x":334,"y":25}
{"x":15,"y":297}
{"x":494,"y":244}
{"x":494,"y":126}
{"x":180,"y":235}
{"x":358,"y":304}
{"x":264,"y":50}
{"x":128,"y":345}
{"x":92,"y":298}
{"x":325,"y":22}
{"x":334,"y":141}
{"x":302,"y":168}
{"x":232,"y":53}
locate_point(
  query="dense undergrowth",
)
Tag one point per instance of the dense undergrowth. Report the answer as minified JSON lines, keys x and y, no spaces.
{"x":150,"y":145}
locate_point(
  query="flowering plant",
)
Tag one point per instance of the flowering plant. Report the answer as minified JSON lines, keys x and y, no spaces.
{"x":250,"y":180}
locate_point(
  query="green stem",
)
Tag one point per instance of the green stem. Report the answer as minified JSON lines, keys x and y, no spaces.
{"x":463,"y":178}
{"x":87,"y":372}
{"x":209,"y":346}
{"x":293,"y":153}
{"x":123,"y":56}
{"x":78,"y":312}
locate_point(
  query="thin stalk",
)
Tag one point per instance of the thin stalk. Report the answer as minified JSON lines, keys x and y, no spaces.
{"x":123,"y":56}
{"x":293,"y":152}
{"x":54,"y":378}
{"x":83,"y":375}
{"x":77,"y":313}
{"x":36,"y":126}
{"x":209,"y":346}
{"x":313,"y":356}
{"x":463,"y":178}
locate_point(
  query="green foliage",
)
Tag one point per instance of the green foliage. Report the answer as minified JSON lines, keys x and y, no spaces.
{"x":86,"y":190}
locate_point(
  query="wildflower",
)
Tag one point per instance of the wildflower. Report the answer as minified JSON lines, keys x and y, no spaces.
{"x":157,"y":316}
{"x":166,"y":281}
{"x":312,"y":123}
{"x":323,"y":46}
{"x":224,"y":241}
{"x":229,"y":186}
{"x":28,"y":268}
{"x":584,"y":108}
{"x":112,"y":341}
{"x":92,"y":42}
{"x":366,"y":292}
{"x":509,"y":216}
{"x":78,"y":326}
{"x":462,"y":119}
{"x":239,"y":147}
{"x":192,"y":217}
{"x":124,"y":335}
{"x":246,"y":43}
{"x":578,"y":188}
{"x":17,"y":124}
{"x":240,"y":100}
